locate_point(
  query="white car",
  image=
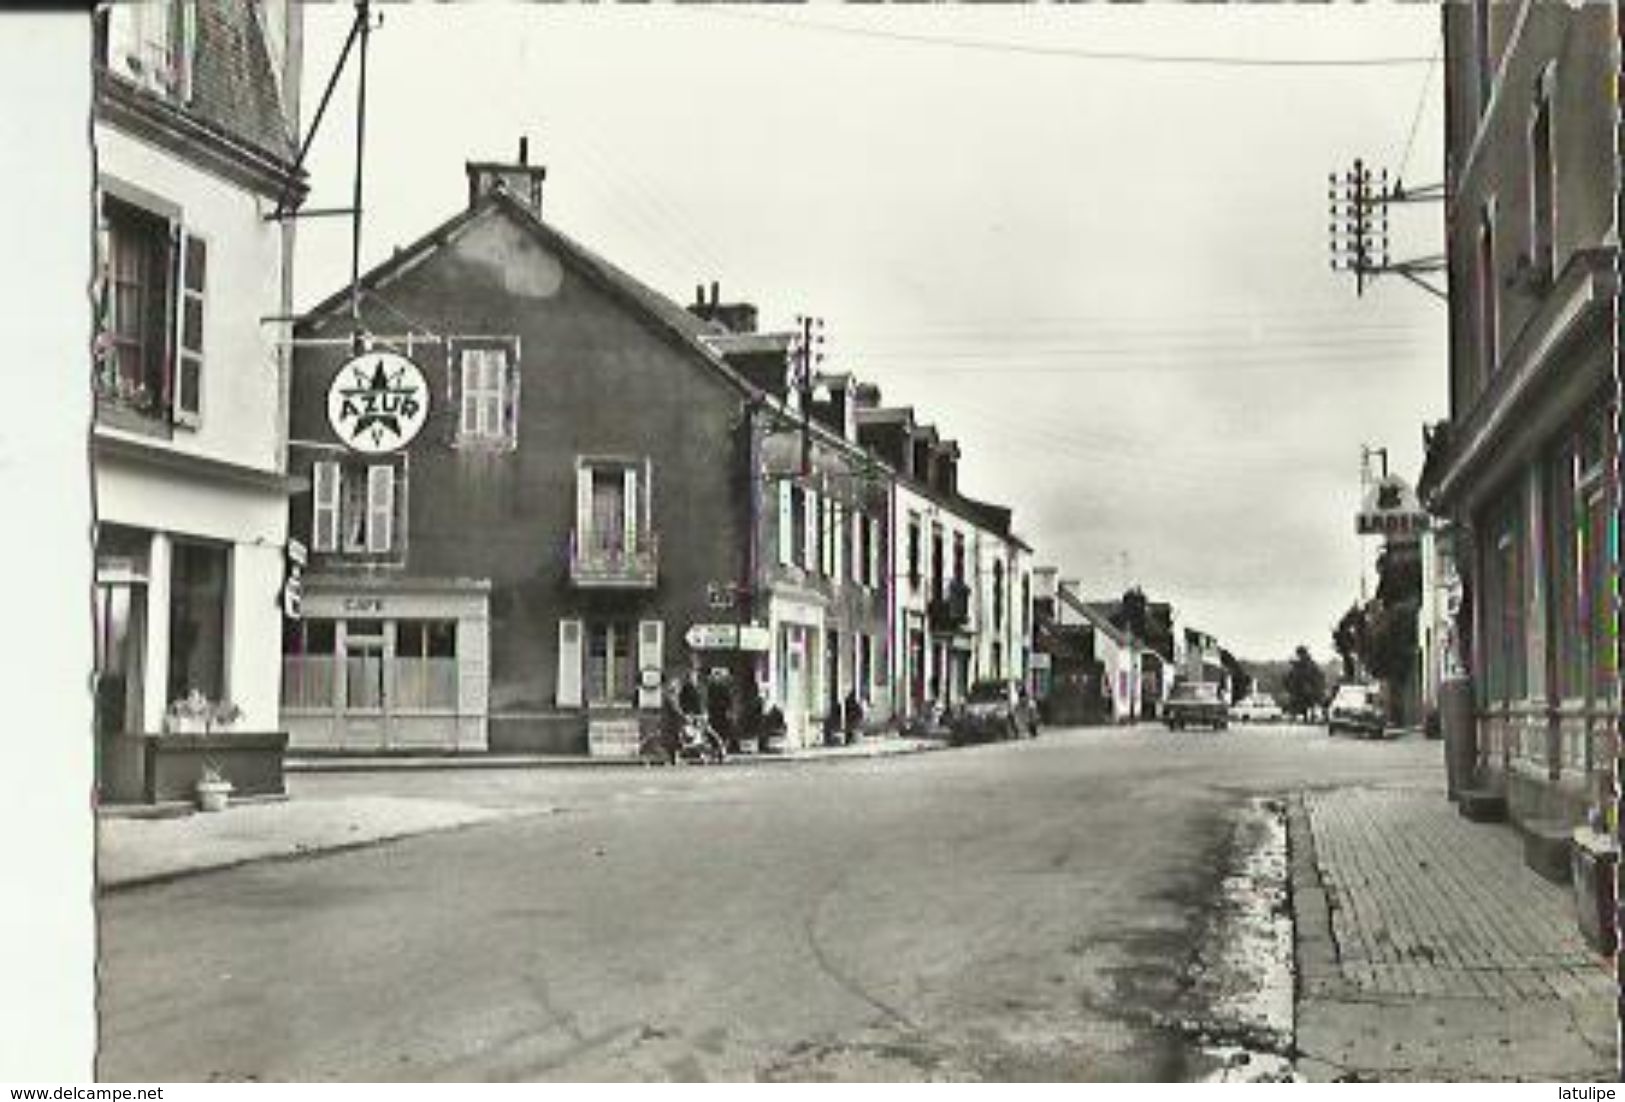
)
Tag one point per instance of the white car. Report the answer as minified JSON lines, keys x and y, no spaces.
{"x":1258,"y":708}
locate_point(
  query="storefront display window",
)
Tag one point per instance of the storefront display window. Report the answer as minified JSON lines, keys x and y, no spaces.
{"x":364,"y":665}
{"x":425,"y":665}
{"x":197,"y":620}
{"x":309,"y":663}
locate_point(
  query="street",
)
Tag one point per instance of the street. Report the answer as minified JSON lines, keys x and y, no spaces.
{"x":1016,"y":911}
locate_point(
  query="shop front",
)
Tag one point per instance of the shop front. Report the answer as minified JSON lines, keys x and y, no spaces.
{"x":374,"y":667}
{"x":797,"y":673}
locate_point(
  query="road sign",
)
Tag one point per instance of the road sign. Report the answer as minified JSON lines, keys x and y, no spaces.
{"x":753,"y":637}
{"x":712,"y":637}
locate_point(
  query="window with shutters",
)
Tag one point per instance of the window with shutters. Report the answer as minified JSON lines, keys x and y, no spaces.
{"x":488,"y":397}
{"x":613,"y":543}
{"x":356,"y":509}
{"x":149,"y":350}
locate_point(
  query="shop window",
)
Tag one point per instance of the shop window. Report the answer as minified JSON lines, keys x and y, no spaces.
{"x":309,"y":663}
{"x":425,"y":665}
{"x":1503,"y":624}
{"x":197,"y":620}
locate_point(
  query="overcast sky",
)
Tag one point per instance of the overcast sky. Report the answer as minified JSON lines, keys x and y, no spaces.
{"x":1106,"y":276}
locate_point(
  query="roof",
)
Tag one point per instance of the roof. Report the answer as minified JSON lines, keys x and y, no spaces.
{"x":733,"y":344}
{"x":1089,"y":610}
{"x":885,"y":415}
{"x":693,"y":333}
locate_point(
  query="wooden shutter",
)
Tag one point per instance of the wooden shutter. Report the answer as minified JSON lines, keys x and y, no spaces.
{"x":324,"y":516}
{"x":583,"y":508}
{"x":380,"y":509}
{"x":569,"y":683}
{"x":809,"y":546}
{"x":629,"y":510}
{"x":186,"y":51}
{"x":837,"y":539}
{"x":787,"y":524}
{"x":510,"y":398}
{"x":191,"y":273}
{"x":468,"y":424}
{"x":651,"y":655}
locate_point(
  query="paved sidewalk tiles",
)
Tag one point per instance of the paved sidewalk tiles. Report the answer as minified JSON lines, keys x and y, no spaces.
{"x":1427,"y":950}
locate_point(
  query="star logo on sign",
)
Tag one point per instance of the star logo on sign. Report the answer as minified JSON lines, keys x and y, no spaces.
{"x":377,"y":401}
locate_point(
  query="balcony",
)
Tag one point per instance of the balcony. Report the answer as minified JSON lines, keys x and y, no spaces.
{"x":600,"y":562}
{"x":950,"y":614}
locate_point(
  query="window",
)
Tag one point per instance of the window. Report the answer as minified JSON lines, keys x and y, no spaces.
{"x":152,"y":43}
{"x":353,"y":508}
{"x":611,"y":675}
{"x":613,"y":509}
{"x":959,"y":558}
{"x":426,"y":665}
{"x":863,"y":564}
{"x":998,"y":597}
{"x":1503,"y":627}
{"x":936,"y":561}
{"x":197,"y":620}
{"x":489,"y":410}
{"x":798,"y":524}
{"x":608,"y":510}
{"x":150,"y":344}
{"x":309,"y":666}
{"x":1489,"y":353}
{"x":1542,"y":181}
{"x":913,"y":551}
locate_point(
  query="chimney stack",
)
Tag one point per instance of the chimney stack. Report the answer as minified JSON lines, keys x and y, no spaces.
{"x":521,"y":182}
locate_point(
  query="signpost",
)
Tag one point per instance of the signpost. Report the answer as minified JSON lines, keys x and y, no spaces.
{"x":749,"y":637}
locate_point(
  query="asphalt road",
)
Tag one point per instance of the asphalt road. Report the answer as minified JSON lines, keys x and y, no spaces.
{"x":1017,"y":911}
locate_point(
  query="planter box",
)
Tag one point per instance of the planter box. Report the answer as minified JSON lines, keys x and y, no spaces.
{"x":250,"y":760}
{"x":1596,"y":872}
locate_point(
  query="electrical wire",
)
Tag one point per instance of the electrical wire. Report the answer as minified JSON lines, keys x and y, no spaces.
{"x":1129,"y":56}
{"x":1416,"y":118}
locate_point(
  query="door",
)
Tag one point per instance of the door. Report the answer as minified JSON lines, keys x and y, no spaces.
{"x":364,"y":724}
{"x":794,"y":682}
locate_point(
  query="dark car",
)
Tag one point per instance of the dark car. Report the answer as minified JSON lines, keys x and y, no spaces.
{"x":1195,"y":703}
{"x":994,"y":710}
{"x":1357,"y":709}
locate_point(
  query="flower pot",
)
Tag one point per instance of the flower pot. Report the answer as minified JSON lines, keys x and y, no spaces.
{"x":213,"y":795}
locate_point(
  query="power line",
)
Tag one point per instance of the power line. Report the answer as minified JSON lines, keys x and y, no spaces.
{"x":1129,"y":56}
{"x":1421,"y":101}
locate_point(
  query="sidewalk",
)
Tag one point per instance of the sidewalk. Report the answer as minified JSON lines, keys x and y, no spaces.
{"x":1426,"y":950}
{"x":134,"y":849}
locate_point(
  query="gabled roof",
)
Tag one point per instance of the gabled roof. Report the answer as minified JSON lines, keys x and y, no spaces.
{"x":675,"y":322}
{"x":1090,"y":610}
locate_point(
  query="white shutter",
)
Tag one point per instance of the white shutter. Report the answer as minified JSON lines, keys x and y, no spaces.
{"x":569,"y":684}
{"x":651,"y":655}
{"x":837,"y":539}
{"x":787,"y":528}
{"x":491,"y":398}
{"x":324,"y":517}
{"x":187,"y":52}
{"x":470,"y":361}
{"x":872,"y":576}
{"x":629,"y":510}
{"x":583,"y":508}
{"x":191,"y":270}
{"x":647,"y":506}
{"x":809,"y":546}
{"x":380,"y":509}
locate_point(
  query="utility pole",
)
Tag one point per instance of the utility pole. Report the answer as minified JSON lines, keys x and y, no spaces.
{"x":809,"y":353}
{"x":363,"y":17}
{"x":1358,"y":230}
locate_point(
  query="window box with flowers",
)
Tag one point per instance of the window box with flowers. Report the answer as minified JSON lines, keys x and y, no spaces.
{"x":205,"y":752}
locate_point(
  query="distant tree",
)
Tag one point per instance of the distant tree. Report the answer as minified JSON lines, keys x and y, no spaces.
{"x":1241,"y":682}
{"x":1304,"y":682}
{"x":1131,"y":613}
{"x":1349,"y":640}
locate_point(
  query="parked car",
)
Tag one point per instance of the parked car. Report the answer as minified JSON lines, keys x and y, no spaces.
{"x":994,"y":710}
{"x":1257,"y":708}
{"x":1191,"y":703}
{"x":1356,"y":707}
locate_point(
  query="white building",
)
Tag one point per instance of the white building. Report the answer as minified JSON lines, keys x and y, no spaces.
{"x":196,"y":109}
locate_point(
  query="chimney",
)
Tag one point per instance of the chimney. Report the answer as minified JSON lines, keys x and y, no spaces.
{"x":521,"y":181}
{"x":736,"y":317}
{"x":865,"y":396}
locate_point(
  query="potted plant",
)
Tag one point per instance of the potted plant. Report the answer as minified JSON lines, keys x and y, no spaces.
{"x":223,"y":717}
{"x":213,"y":790}
{"x":188,"y":715}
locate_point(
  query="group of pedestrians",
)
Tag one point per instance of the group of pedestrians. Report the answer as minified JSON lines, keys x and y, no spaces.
{"x":718,"y":715}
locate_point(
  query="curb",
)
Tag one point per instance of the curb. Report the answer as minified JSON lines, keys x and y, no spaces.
{"x":452,"y":762}
{"x":1313,"y":942}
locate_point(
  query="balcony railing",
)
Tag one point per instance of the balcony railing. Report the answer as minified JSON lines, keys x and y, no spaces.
{"x":597,"y":562}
